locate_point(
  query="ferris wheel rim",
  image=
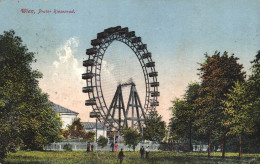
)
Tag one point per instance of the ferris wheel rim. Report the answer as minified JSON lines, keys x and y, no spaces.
{"x":95,"y":82}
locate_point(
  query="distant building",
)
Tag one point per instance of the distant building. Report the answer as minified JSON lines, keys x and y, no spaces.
{"x":91,"y":126}
{"x":66,"y":115}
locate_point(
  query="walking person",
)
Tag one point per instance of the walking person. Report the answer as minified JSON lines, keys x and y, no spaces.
{"x":142,"y":152}
{"x":121,"y":156}
{"x":112,"y":146}
{"x":147,"y":152}
{"x":116,"y":145}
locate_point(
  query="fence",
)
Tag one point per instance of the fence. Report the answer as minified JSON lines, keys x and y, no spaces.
{"x":152,"y":146}
{"x":83,"y":146}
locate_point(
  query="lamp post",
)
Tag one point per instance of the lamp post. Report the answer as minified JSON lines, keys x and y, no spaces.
{"x":96,"y":130}
{"x":95,"y":115}
{"x":142,"y":133}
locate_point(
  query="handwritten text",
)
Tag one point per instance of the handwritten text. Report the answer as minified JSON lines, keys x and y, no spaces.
{"x":47,"y":11}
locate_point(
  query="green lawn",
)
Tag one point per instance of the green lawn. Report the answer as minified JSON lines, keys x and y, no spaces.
{"x":130,"y":157}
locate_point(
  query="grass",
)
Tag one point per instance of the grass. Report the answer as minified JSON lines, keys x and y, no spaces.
{"x":100,"y":157}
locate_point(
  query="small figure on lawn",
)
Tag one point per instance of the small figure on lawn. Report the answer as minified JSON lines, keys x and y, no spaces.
{"x":112,"y":146}
{"x":92,"y":147}
{"x":88,"y":147}
{"x":121,"y":156}
{"x":116,"y":145}
{"x":142,"y":152}
{"x":147,"y":152}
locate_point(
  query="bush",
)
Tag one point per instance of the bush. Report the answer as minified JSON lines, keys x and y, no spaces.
{"x":67,"y":147}
{"x":102,"y":141}
{"x":131,"y":137}
{"x":180,"y":147}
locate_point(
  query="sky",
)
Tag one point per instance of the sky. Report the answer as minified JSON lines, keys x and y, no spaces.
{"x":177,"y":32}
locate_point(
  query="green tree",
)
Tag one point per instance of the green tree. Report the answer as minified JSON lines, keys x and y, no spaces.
{"x":131,"y":137}
{"x":239,"y":117}
{"x":173,"y":136}
{"x":218,"y":74}
{"x":182,"y":122}
{"x":243,"y":107}
{"x":178,"y":121}
{"x":39,"y":125}
{"x":89,"y":136}
{"x":155,"y":129}
{"x":190,"y":97}
{"x":24,"y":110}
{"x":102,"y":141}
{"x":254,"y":96}
{"x":76,"y":129}
{"x":65,"y":133}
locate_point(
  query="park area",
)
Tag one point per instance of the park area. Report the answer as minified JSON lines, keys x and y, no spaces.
{"x":130,"y":157}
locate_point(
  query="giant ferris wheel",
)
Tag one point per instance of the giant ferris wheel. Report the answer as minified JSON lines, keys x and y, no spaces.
{"x":116,"y":115}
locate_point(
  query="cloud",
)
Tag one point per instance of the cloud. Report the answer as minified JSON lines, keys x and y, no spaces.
{"x":66,"y":53}
{"x":67,"y":66}
{"x":107,"y":68}
{"x":63,"y":80}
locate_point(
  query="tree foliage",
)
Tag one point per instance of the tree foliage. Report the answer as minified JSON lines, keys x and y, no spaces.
{"x":218,"y":74}
{"x":238,"y":110}
{"x":238,"y":114}
{"x":76,"y":129}
{"x":183,"y":111}
{"x":223,"y":106}
{"x":155,"y":129}
{"x":26,"y":116}
{"x":178,"y":121}
{"x":254,"y":88}
{"x":243,"y":107}
{"x":131,"y":137}
{"x":102,"y":141}
{"x":65,"y":133}
{"x":89,"y":136}
{"x":254,"y":95}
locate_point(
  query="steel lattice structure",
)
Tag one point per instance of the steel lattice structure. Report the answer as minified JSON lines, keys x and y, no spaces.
{"x":93,"y":70}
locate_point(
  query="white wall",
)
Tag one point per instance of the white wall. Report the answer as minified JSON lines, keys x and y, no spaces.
{"x":67,"y":119}
{"x":99,"y":132}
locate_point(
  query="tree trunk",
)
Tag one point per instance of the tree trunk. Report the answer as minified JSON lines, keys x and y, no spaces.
{"x":209,"y":146}
{"x":240,"y":146}
{"x":223,"y":146}
{"x":191,"y":148}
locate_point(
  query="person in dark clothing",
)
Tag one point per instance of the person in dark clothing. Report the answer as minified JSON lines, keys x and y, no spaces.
{"x":92,"y":147}
{"x":88,"y":147}
{"x":142,"y":152}
{"x":121,"y":156}
{"x":147,"y":152}
{"x":112,"y":146}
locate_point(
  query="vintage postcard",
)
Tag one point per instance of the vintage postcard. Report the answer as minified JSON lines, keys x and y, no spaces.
{"x":110,"y":81}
